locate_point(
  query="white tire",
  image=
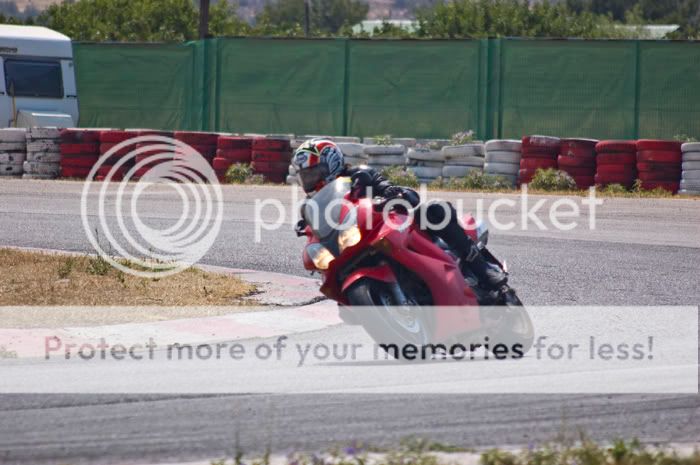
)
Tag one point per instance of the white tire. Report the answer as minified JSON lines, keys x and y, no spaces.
{"x":461,"y":151}
{"x":691,"y":175}
{"x":43,"y":133}
{"x":295,"y":144}
{"x":425,"y":172}
{"x":425,"y":155}
{"x":502,"y":168}
{"x":38,"y":176}
{"x":43,"y":146}
{"x":385,"y":149}
{"x":346,"y":140}
{"x":405,"y":141}
{"x":41,"y":168}
{"x":13,"y":135}
{"x":544,"y":141}
{"x":690,"y":147}
{"x":291,"y":180}
{"x":352,"y":149}
{"x":355,"y":161}
{"x":458,"y":171}
{"x":434,"y":144}
{"x":432,"y":164}
{"x":691,"y":165}
{"x":691,"y":156}
{"x":387,"y":160}
{"x":289,"y":137}
{"x":44,"y":157}
{"x":10,"y":170}
{"x":292,"y":170}
{"x":13,"y":146}
{"x":466,"y":161}
{"x":503,"y":145}
{"x":689,"y":192}
{"x":12,"y":158}
{"x":690,"y":184}
{"x":502,"y":157}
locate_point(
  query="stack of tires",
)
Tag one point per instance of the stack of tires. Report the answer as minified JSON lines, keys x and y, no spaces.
{"x":109,"y":140}
{"x":503,"y":159}
{"x":204,"y":143}
{"x":426,"y":164}
{"x":690,"y":178}
{"x":271,"y":158}
{"x":229,"y":151}
{"x":80,"y":150}
{"x":460,"y":160}
{"x":616,"y":162}
{"x":43,"y":153}
{"x":538,"y":152}
{"x":577,"y":158}
{"x":353,"y":153}
{"x":381,"y":157}
{"x":659,"y":164}
{"x":13,"y":151}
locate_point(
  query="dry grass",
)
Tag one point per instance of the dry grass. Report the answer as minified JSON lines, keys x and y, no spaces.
{"x":32,"y":278}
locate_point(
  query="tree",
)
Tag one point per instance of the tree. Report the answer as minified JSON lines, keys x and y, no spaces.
{"x":326,"y":16}
{"x":224,"y":20}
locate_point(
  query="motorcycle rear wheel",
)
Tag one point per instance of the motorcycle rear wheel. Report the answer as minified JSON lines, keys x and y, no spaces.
{"x":392,"y":326}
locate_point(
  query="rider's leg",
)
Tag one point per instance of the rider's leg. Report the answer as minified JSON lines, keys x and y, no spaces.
{"x":443,"y":222}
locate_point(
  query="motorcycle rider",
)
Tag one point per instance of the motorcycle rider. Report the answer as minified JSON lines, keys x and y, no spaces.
{"x":320,"y":161}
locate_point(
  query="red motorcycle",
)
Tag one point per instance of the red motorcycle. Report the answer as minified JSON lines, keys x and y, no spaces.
{"x":402,"y":284}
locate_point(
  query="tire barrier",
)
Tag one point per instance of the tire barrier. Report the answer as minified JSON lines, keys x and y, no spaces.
{"x":353,"y":153}
{"x":503,"y":159}
{"x":460,"y":160}
{"x":616,"y":163}
{"x":229,"y":151}
{"x":425,"y":163}
{"x":43,"y":153}
{"x":659,"y":164}
{"x":577,"y":158}
{"x":537,"y":152}
{"x":690,"y":169}
{"x":270,"y":158}
{"x":80,"y":150}
{"x":13,"y":151}
{"x":381,"y":157}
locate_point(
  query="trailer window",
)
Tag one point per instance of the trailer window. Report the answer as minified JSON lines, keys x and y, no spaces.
{"x":33,"y":78}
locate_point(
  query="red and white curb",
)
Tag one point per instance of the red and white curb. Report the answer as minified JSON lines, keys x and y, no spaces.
{"x":304,"y":311}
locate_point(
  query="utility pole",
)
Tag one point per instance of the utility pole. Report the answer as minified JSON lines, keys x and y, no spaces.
{"x":204,"y":18}
{"x":307,"y":20}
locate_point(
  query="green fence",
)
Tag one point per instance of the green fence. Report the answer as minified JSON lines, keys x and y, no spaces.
{"x":498,"y":87}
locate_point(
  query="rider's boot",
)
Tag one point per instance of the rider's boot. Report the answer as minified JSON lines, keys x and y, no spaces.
{"x":488,"y":274}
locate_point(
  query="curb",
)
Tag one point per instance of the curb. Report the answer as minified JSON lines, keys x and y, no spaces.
{"x":300,"y":308}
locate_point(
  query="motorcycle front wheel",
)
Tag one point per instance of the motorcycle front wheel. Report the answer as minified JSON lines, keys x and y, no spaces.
{"x":396,"y":329}
{"x":509,"y":324}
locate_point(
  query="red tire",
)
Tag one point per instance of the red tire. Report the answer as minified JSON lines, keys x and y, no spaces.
{"x":278,"y":178}
{"x":660,"y":167}
{"x":567,"y":161}
{"x":626,"y":181}
{"x":221,"y":164}
{"x":207,"y":151}
{"x":104,"y":170}
{"x":271,"y":157}
{"x":659,"y":145}
{"x":74,"y":172}
{"x":80,"y":136}
{"x":235,"y":155}
{"x":525,"y":176}
{"x":79,"y":161}
{"x":116,"y":136}
{"x":541,"y":144}
{"x":535,"y":163}
{"x":619,"y":158}
{"x":540,"y":154}
{"x":652,"y":176}
{"x":270,"y":167}
{"x":669,"y":186}
{"x":584,"y":182}
{"x":154,"y":132}
{"x":234,"y":142}
{"x":578,"y":170}
{"x":578,"y":148}
{"x":80,"y":149}
{"x":616,"y":146}
{"x":271,"y":144}
{"x":196,"y":137}
{"x":617,"y":170}
{"x":659,"y":156}
{"x":106,"y":147}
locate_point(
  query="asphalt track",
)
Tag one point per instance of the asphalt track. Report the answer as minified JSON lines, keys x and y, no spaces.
{"x":643,"y":252}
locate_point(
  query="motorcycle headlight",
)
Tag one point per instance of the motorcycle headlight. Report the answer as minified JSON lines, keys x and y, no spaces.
{"x":320,"y":255}
{"x":482,"y":234}
{"x":349,"y":234}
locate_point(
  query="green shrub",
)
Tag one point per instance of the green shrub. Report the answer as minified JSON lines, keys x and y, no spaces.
{"x":239,"y":173}
{"x":552,"y":180}
{"x":400,"y":176}
{"x":464,"y":137}
{"x":614,"y":189}
{"x":385,"y":139}
{"x":475,"y":180}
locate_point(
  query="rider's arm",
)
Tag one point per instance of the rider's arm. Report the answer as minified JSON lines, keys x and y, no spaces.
{"x":368,"y":181}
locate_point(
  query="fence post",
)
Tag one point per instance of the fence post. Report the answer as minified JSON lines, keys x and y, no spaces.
{"x":346,"y":85}
{"x":637,"y":86}
{"x":205,"y":93}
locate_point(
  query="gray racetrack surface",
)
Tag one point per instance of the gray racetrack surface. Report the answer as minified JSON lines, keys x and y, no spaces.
{"x":644,"y":252}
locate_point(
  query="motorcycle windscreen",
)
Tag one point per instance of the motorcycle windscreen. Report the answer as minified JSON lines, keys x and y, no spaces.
{"x":322,"y":212}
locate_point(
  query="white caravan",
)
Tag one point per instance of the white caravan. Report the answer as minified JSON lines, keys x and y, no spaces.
{"x":38,"y":80}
